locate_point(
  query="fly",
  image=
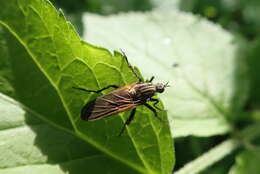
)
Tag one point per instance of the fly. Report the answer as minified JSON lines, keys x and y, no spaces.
{"x":123,"y":98}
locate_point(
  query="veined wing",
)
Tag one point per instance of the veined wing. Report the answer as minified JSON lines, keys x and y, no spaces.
{"x":109,"y":104}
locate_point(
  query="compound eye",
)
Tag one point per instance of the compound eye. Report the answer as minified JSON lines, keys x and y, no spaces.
{"x":160,"y":88}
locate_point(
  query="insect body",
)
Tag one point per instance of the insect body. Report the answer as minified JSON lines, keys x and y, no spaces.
{"x":123,"y":98}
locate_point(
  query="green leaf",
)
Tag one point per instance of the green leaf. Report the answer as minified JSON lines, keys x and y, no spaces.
{"x":47,"y":58}
{"x":247,"y":162}
{"x":29,"y":145}
{"x":209,"y":86}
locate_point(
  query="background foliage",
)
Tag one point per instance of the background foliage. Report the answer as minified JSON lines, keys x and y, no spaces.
{"x":208,"y":50}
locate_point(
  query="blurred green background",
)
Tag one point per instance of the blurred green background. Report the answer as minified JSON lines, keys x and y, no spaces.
{"x":240,"y":17}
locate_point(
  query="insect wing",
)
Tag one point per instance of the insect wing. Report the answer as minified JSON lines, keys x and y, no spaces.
{"x":109,"y":104}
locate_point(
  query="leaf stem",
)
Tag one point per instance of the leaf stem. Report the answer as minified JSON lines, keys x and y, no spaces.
{"x":220,"y":151}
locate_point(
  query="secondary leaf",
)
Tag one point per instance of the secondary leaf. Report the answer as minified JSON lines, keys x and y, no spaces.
{"x":47,"y":58}
{"x":208,"y":87}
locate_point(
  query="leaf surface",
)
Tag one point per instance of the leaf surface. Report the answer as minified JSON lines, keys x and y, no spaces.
{"x":47,"y":58}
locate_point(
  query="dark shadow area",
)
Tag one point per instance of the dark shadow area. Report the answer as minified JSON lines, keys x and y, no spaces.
{"x":254,"y":72}
{"x":246,"y":97}
{"x":241,"y":84}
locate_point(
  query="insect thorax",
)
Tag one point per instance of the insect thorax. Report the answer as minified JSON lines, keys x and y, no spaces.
{"x":143,"y":91}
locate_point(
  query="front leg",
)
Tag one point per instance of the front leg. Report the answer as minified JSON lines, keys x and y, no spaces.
{"x":151,"y":79}
{"x":156,"y":101}
{"x":153,"y":110}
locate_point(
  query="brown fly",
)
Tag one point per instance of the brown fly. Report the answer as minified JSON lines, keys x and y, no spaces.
{"x":123,"y":98}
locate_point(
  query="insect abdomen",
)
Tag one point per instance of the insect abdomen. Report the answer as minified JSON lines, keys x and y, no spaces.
{"x":86,"y":111}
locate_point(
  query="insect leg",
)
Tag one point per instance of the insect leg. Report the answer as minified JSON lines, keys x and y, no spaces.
{"x":97,"y":91}
{"x":130,"y":66}
{"x":128,"y":121}
{"x":153,"y":110}
{"x":156,"y":101}
{"x":151,"y":79}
